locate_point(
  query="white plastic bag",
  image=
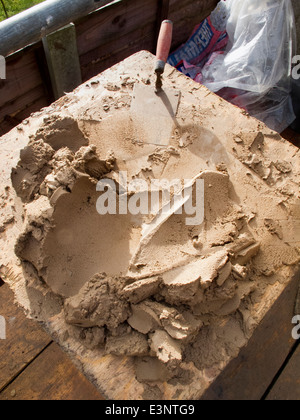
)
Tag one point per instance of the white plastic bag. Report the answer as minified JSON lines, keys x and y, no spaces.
{"x":255,"y":70}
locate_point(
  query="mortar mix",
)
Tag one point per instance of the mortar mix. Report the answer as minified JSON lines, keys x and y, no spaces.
{"x":177,"y":299}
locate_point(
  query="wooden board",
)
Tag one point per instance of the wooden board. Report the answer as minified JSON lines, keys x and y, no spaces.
{"x":186,"y":15}
{"x":113,"y":34}
{"x":24,"y":91}
{"x":287,"y":386}
{"x":291,"y":136}
{"x":24,"y":338}
{"x":32,"y":367}
{"x":22,"y":76}
{"x":248,"y":376}
{"x":51,"y":376}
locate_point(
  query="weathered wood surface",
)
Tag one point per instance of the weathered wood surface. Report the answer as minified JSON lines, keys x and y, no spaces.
{"x":24,"y":338}
{"x":32,"y":367}
{"x":24,"y":90}
{"x":287,"y":386}
{"x":291,"y":136}
{"x":186,"y":15}
{"x":51,"y":376}
{"x":249,"y":375}
{"x":108,"y":37}
{"x":31,"y":25}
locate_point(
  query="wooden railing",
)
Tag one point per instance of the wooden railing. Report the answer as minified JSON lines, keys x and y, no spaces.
{"x":32,"y":24}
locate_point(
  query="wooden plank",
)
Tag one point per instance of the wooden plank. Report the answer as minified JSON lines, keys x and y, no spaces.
{"x":24,"y":91}
{"x":106,"y":56}
{"x":249,"y":375}
{"x":22,"y":75}
{"x":292,"y":136}
{"x":29,"y":26}
{"x":162,"y":13}
{"x":22,"y":102}
{"x":287,"y":387}
{"x":10,"y":122}
{"x":186,"y":15}
{"x":35,"y":106}
{"x":114,"y":34}
{"x":24,"y":338}
{"x":115,"y":23}
{"x":124,"y":29}
{"x":51,"y":376}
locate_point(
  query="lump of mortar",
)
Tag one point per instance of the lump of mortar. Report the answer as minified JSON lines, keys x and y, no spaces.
{"x":247,"y":254}
{"x":183,"y":326}
{"x":274,"y":227}
{"x":224,"y":273}
{"x":149,"y":316}
{"x":234,"y":303}
{"x":97,"y":304}
{"x":166,"y":348}
{"x":59,"y":192}
{"x":31,"y":169}
{"x":35,"y":156}
{"x":215,"y":297}
{"x":283,"y":166}
{"x":68,"y":167}
{"x":182,"y":283}
{"x":144,"y":318}
{"x":150,"y":369}
{"x":87,"y":161}
{"x":28,"y":246}
{"x":61,"y":132}
{"x":91,"y":338}
{"x":242,"y":242}
{"x":212,"y":266}
{"x":252,"y":140}
{"x":243,"y":248}
{"x":229,"y":307}
{"x":130,"y":344}
{"x":239,"y":272}
{"x":141,"y":290}
{"x":220,"y":234}
{"x":62,"y":173}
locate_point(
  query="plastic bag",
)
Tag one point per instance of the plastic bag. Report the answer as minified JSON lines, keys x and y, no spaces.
{"x":254,"y":71}
{"x":207,"y":37}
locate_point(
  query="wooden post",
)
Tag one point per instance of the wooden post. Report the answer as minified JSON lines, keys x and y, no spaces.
{"x":63,"y":62}
{"x":35,"y":23}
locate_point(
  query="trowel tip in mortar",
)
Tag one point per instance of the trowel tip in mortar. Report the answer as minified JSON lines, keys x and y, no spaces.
{"x":158,"y":88}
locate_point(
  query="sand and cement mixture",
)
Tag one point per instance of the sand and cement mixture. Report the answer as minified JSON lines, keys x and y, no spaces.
{"x":158,"y":303}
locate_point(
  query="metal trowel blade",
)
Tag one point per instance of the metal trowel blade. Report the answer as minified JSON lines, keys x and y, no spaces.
{"x":154,"y":114}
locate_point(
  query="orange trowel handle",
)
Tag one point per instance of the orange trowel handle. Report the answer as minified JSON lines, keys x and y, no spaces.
{"x":164,"y":45}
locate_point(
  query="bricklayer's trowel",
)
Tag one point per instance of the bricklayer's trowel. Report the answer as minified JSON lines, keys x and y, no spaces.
{"x":154,"y":110}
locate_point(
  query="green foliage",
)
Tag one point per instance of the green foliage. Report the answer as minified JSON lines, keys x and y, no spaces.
{"x":13,"y":7}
